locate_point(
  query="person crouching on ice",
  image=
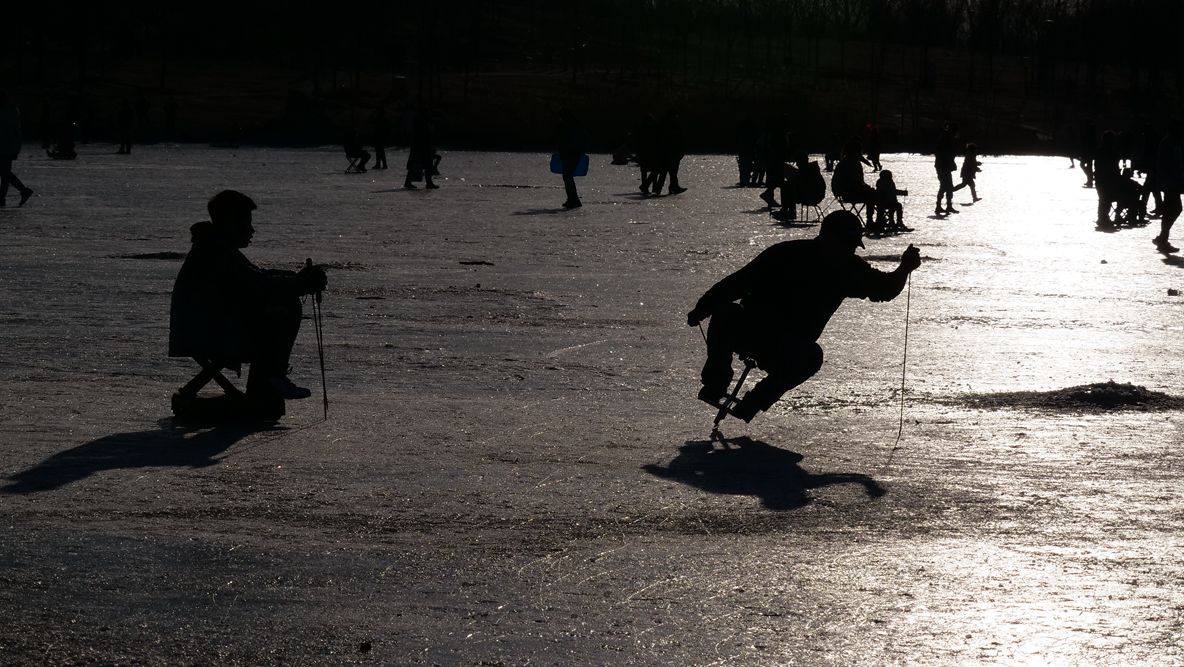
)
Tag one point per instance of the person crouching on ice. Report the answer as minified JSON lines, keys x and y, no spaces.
{"x":227,"y":310}
{"x":786,"y":296}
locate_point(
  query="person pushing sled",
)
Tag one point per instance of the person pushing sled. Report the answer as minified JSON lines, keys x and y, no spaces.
{"x":786,"y":296}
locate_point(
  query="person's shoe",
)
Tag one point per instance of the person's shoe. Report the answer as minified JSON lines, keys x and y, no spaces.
{"x":572,"y":203}
{"x":676,"y":190}
{"x":744,"y":410}
{"x":643,"y":190}
{"x":25,"y":196}
{"x":284,"y":388}
{"x":1163,"y":245}
{"x":432,"y":186}
{"x":408,"y":185}
{"x":951,"y":209}
{"x":712,"y":395}
{"x":978,"y":199}
{"x":769,"y":199}
{"x":939,"y":211}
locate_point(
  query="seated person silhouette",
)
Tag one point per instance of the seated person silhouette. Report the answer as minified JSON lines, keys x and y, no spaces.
{"x":1128,"y":199}
{"x":227,"y":311}
{"x":64,"y":148}
{"x":891,"y":211}
{"x":848,"y":185}
{"x":354,"y":151}
{"x":786,"y":296}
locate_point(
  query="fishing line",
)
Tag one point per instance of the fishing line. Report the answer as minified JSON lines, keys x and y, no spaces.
{"x":903,"y":366}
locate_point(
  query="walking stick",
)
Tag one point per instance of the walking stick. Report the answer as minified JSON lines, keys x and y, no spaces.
{"x":316,"y":319}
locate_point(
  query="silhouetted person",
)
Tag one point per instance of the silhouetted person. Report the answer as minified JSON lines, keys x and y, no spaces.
{"x":1086,"y":145}
{"x":64,"y":148}
{"x":569,"y":144}
{"x":381,"y":137}
{"x":786,"y":295}
{"x":671,"y":150}
{"x":125,"y":123}
{"x":776,"y":151}
{"x":746,"y":138}
{"x":1106,"y":174}
{"x":10,"y":148}
{"x":873,"y":147}
{"x":649,"y":162}
{"x":833,"y":152}
{"x":945,"y":165}
{"x":847,"y":182}
{"x":970,"y":168}
{"x":354,"y":150}
{"x":1169,"y":167}
{"x":804,"y":184}
{"x":890,"y":208}
{"x":1128,"y":199}
{"x":420,"y":157}
{"x":227,"y":310}
{"x":1145,"y":162}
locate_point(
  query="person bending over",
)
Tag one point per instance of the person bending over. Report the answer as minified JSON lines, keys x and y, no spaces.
{"x":774,"y":309}
{"x":229,"y":311}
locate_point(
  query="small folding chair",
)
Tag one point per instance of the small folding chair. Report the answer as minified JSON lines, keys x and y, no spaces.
{"x":353,"y":167}
{"x":233,"y":404}
{"x":854,"y":207}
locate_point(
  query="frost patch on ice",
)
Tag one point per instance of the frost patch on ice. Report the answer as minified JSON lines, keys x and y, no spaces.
{"x":1098,"y":396}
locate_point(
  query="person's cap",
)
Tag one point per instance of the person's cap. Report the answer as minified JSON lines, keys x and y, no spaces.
{"x":844,"y":226}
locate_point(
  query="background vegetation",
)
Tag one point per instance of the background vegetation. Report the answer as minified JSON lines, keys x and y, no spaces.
{"x":1018,"y":75}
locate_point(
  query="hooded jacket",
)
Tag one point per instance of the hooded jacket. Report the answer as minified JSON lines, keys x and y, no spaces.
{"x":219,"y":299}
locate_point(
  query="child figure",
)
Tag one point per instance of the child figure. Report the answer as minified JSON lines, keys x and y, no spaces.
{"x":970,"y":167}
{"x":890,"y":209}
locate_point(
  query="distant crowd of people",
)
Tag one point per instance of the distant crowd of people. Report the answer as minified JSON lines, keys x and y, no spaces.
{"x":1111,"y":161}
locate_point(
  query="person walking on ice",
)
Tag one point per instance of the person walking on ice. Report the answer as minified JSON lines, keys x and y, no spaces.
{"x":774,"y":309}
{"x":10,"y":147}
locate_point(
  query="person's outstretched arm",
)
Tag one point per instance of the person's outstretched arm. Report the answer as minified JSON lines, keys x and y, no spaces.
{"x":878,"y":285}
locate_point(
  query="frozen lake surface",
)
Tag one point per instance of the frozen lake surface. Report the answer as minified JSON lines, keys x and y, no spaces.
{"x":515,"y":469}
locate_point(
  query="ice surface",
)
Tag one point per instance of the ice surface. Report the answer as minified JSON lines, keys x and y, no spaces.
{"x":515,"y":469}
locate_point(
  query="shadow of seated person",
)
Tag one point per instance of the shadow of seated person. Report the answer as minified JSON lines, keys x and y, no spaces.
{"x":750,"y":467}
{"x":169,"y":447}
{"x":226,"y":311}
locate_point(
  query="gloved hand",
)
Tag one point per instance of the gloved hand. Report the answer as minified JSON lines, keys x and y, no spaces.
{"x":695,"y":317}
{"x":911,"y":258}
{"x":311,"y":279}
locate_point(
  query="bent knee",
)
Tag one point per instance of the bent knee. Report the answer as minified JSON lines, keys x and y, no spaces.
{"x":813,"y":357}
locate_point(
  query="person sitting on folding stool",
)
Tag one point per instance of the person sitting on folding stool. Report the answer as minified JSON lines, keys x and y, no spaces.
{"x":229,"y":311}
{"x":786,"y":296}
